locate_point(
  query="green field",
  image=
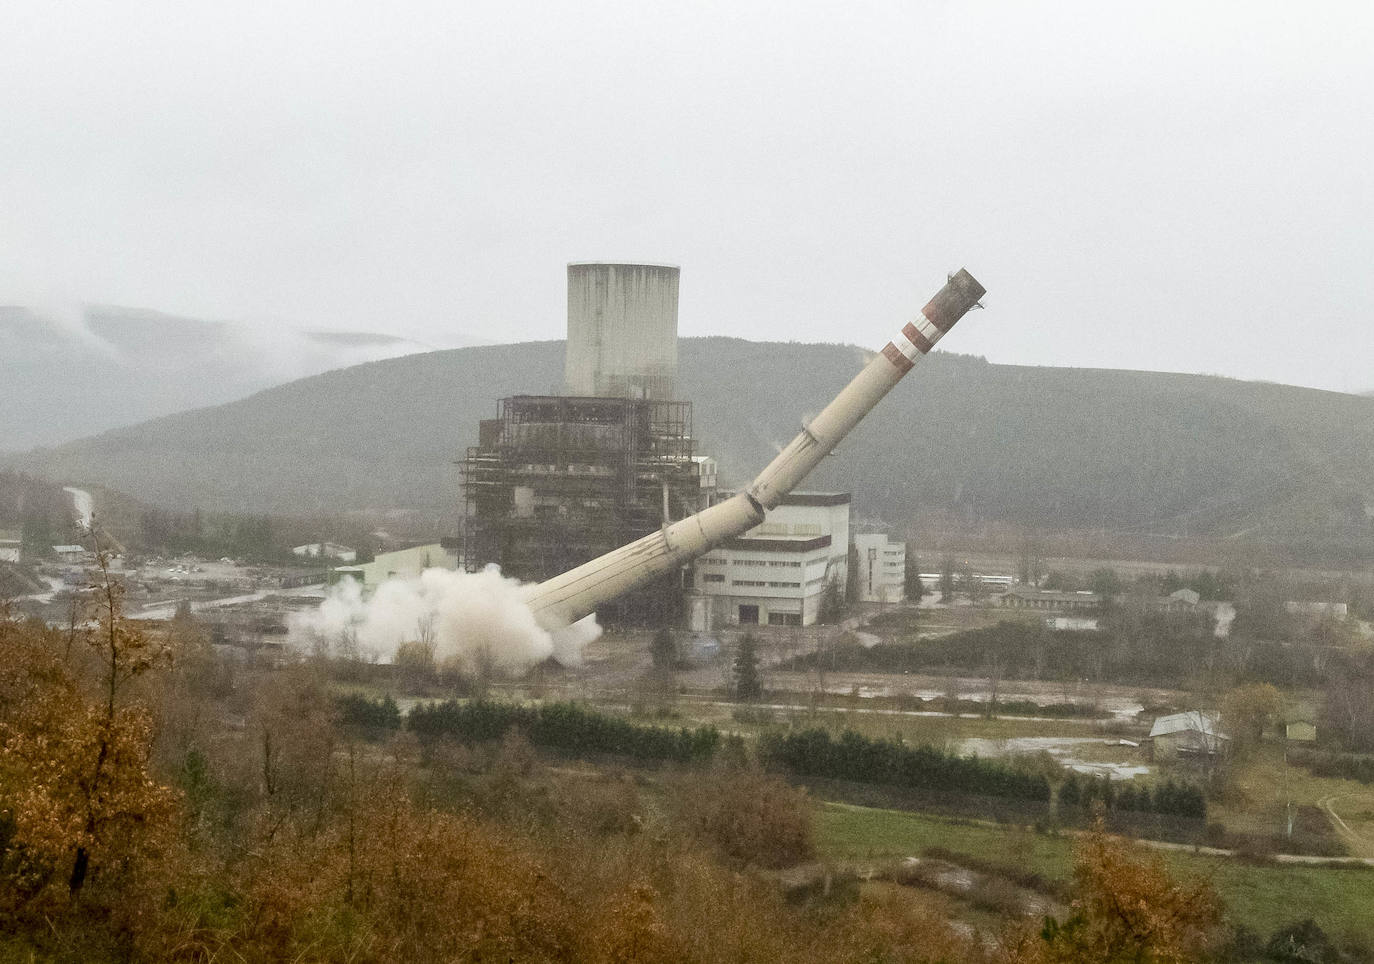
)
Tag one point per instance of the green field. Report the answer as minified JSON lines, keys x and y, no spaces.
{"x":1260,"y":783}
{"x":1260,"y":897}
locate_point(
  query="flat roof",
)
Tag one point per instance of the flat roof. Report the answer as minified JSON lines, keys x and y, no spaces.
{"x":626,"y":264}
{"x":816,"y":498}
{"x":811,"y":498}
{"x":777,"y":545}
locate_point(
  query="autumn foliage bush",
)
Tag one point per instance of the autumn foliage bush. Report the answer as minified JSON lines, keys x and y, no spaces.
{"x":748,"y":816}
{"x":1125,"y":907}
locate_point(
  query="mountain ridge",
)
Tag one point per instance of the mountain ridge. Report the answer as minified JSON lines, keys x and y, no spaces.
{"x":1132,"y":451}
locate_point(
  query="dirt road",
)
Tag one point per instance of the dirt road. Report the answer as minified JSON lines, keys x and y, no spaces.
{"x":1359,"y":845}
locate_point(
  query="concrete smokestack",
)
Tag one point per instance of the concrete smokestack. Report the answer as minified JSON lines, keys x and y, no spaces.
{"x":622,"y":330}
{"x":576,"y":593}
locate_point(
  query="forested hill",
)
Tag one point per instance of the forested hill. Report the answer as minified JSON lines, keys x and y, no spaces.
{"x":1050,"y":447}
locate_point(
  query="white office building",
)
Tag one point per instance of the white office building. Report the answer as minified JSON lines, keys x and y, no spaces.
{"x":880,"y":568}
{"x":776,"y":573}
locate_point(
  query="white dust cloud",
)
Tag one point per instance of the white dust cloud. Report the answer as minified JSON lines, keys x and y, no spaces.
{"x":478,"y":620}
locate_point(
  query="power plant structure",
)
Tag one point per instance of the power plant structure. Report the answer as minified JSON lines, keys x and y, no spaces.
{"x":622,"y":330}
{"x":581,"y":591}
{"x":558,"y":480}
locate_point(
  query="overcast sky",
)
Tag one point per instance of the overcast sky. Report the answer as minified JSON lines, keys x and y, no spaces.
{"x":1186,"y":187}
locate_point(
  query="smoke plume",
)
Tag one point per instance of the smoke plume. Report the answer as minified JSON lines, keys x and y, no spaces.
{"x":478,"y":620}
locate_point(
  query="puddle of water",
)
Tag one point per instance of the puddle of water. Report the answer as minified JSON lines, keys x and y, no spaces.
{"x":1062,"y":748}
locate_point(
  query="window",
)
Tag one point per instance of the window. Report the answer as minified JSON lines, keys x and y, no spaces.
{"x":784,"y":585}
{"x":749,"y":615}
{"x":747,"y":582}
{"x":784,"y":619}
{"x":712,"y":577}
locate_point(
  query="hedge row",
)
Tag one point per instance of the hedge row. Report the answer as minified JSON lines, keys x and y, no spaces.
{"x":359,"y":711}
{"x":1169,"y":799}
{"x":564,"y":726}
{"x":1351,"y":766}
{"x":858,"y":758}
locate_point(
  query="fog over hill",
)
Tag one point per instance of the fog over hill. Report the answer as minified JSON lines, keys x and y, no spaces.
{"x":1052,"y":447}
{"x":70,"y":373}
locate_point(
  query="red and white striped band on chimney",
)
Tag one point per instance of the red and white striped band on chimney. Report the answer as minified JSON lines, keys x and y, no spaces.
{"x":913,"y":341}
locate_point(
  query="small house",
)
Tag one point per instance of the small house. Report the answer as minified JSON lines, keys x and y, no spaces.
{"x":1300,"y":731}
{"x":1191,"y":735}
{"x":71,"y":554}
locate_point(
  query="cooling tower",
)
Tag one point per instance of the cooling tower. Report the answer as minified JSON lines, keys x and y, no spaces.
{"x":622,"y":330}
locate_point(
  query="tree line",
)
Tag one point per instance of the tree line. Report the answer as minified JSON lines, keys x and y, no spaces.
{"x":859,"y":758}
{"x":577,"y":729}
{"x":1167,"y":799}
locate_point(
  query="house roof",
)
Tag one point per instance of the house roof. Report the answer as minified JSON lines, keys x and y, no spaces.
{"x":1054,"y":595}
{"x":1195,"y":721}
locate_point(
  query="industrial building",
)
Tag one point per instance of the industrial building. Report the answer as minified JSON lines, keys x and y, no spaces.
{"x":557,"y":480}
{"x":400,"y":564}
{"x":326,"y":550}
{"x":880,"y":568}
{"x":1028,"y":597}
{"x":777,"y":573}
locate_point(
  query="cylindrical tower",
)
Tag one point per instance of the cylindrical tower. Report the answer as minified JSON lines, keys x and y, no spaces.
{"x":622,"y":330}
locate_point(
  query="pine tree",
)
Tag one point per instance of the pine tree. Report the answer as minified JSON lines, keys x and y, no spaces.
{"x":748,"y":685}
{"x":663,"y":649}
{"x":947,"y":579}
{"x":914,"y":589}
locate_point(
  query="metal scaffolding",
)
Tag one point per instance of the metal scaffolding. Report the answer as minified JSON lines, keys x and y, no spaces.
{"x":555,"y":481}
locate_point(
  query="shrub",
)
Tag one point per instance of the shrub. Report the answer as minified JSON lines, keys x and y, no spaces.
{"x":1350,"y":766}
{"x":1302,"y":941}
{"x":369,"y":715}
{"x":563,"y":726}
{"x":750,"y":816}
